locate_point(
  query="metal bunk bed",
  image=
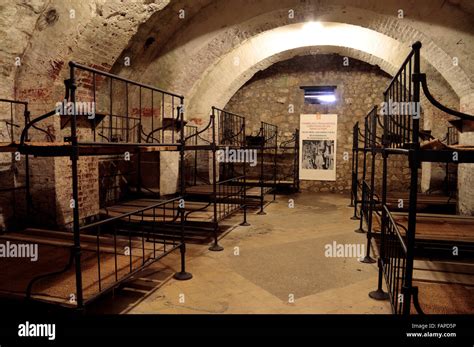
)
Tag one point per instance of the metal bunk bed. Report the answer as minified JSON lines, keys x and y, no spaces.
{"x":217,"y":190}
{"x":428,"y":202}
{"x":405,"y":241}
{"x":75,"y":268}
{"x":263,"y":178}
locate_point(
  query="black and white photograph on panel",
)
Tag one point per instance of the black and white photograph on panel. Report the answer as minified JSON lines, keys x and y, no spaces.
{"x":237,"y":167}
{"x":318,"y":154}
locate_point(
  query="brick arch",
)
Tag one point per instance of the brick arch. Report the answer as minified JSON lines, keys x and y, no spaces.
{"x":282,"y":43}
{"x":212,"y":29}
{"x":98,"y":36}
{"x":209,"y":37}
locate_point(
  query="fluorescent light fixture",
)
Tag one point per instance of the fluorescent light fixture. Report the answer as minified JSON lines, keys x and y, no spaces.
{"x":323,"y":98}
{"x":319,"y":94}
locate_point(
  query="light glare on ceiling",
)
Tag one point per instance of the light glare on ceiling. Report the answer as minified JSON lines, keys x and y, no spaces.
{"x":312,"y":27}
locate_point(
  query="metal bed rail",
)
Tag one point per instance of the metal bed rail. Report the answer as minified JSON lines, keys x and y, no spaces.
{"x":291,"y":146}
{"x":131,"y":238}
{"x":224,"y":130}
{"x":401,"y":109}
{"x":395,"y":267}
{"x":230,"y":128}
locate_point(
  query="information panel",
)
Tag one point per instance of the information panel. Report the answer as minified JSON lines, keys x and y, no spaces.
{"x":318,"y":141}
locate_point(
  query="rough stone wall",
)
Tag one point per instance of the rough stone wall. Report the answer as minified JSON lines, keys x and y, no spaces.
{"x":44,"y":36}
{"x":104,"y":32}
{"x":269,"y":95}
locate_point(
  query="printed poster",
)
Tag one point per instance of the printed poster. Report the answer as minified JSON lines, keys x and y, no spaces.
{"x":318,"y":141}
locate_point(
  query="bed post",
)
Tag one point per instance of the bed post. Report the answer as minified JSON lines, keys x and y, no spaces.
{"x":27,"y":167}
{"x":364,"y":173}
{"x":297,"y":159}
{"x":182,"y":275}
{"x":275,"y":164}
{"x":215,"y":246}
{"x":373,"y":126}
{"x":244,"y":171}
{"x":355,"y":168}
{"x":262,"y":188}
{"x":138,"y":153}
{"x":379,"y":293}
{"x":75,"y":192}
{"x":414,"y":163}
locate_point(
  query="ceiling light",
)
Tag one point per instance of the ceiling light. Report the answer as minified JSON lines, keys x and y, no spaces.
{"x":312,"y":27}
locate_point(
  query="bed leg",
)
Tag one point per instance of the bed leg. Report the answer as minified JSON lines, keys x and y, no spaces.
{"x":368,"y":259}
{"x":245,"y":223}
{"x":262,"y":212}
{"x":183,"y":275}
{"x":379,"y":294}
{"x":215,"y":246}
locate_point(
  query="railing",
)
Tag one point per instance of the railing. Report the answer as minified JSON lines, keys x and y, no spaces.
{"x":270,"y":134}
{"x":393,"y":261}
{"x":133,"y":240}
{"x":371,"y":139}
{"x":15,"y":136}
{"x":125,"y":108}
{"x":119,"y":110}
{"x":403,"y":96}
{"x":395,"y":266}
{"x":269,"y":145}
{"x":230,"y":128}
{"x":288,"y":146}
{"x":365,"y":206}
{"x":229,"y":197}
{"x":13,"y":123}
{"x":402,"y":128}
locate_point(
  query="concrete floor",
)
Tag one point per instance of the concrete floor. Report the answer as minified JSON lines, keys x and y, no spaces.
{"x":276,"y":265}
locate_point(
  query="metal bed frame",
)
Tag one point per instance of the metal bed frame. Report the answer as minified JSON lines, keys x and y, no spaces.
{"x":401,"y":136}
{"x":266,"y":143}
{"x":116,"y":134}
{"x":228,"y":194}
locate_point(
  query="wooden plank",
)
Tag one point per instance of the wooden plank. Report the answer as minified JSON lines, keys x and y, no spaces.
{"x":445,"y":266}
{"x":34,"y":232}
{"x":436,"y":227}
{"x":138,"y":203}
{"x":195,"y":217}
{"x":443,"y":277}
{"x":429,"y":199}
{"x":136,"y":245}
